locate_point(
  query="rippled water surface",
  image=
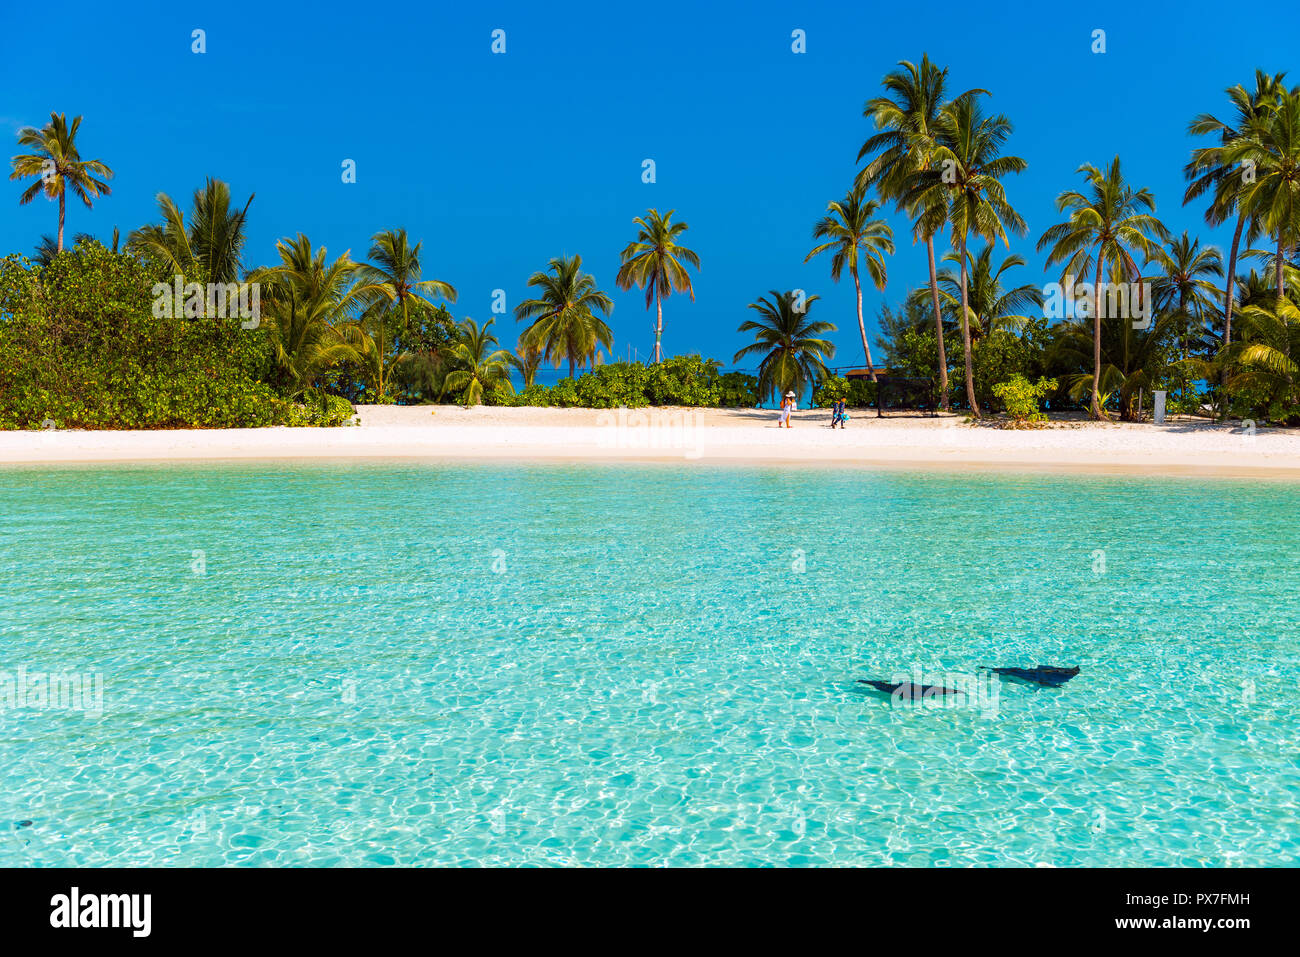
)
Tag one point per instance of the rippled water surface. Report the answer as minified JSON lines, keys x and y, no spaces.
{"x":382,"y":664}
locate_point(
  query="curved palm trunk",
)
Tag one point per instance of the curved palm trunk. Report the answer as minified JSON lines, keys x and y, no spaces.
{"x":965,"y":337}
{"x":862,"y":326}
{"x":1232,"y":276}
{"x":659,"y":322}
{"x":62,"y":211}
{"x":1095,"y":411}
{"x":944,"y":403}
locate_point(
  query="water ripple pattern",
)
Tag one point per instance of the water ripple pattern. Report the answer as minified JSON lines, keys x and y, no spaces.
{"x":511,"y":665}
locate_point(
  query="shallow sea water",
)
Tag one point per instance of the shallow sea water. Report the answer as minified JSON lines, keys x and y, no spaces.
{"x":425,"y":664}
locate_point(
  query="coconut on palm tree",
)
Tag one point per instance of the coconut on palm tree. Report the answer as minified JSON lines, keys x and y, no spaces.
{"x":963,"y":188}
{"x":56,"y":162}
{"x":854,"y":235}
{"x":793,"y":350}
{"x":906,"y":118}
{"x":656,"y":262}
{"x":478,"y":366}
{"x":1109,"y":225}
{"x":1208,"y":171}
{"x":564,"y":324}
{"x":210,"y":246}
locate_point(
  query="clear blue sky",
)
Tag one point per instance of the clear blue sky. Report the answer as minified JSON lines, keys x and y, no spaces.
{"x":499,"y":162}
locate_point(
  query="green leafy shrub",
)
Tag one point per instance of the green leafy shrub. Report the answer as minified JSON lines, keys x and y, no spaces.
{"x":857,"y":393}
{"x":737,"y":390}
{"x":1022,"y":399}
{"x":82,"y":347}
{"x":536,"y":395}
{"x":830,"y":390}
{"x":683,"y":380}
{"x":614,"y":385}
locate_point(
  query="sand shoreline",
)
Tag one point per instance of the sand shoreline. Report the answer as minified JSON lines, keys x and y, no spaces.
{"x":693,"y":437}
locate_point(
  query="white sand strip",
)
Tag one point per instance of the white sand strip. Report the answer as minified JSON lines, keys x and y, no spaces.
{"x":692,"y":436}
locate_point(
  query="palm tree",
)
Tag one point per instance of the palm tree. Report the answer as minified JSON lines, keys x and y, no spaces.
{"x":1133,"y":359}
{"x":963,"y":188}
{"x":303,"y":300}
{"x":209,"y":247}
{"x":564,"y":321}
{"x":58,"y":166}
{"x":393,"y":275}
{"x":479,"y":368}
{"x":992,"y":307}
{"x":388,"y":288}
{"x":48,"y":248}
{"x":527,"y":358}
{"x":1270,"y":147}
{"x":1207,"y":170}
{"x":1109,"y":224}
{"x":794,"y":357}
{"x":1181,"y":287}
{"x":1263,"y":360}
{"x":906,"y":119}
{"x":655,"y":261}
{"x":852,"y":233}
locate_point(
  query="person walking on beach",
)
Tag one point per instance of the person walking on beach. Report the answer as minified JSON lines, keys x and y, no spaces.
{"x":787,"y":406}
{"x":837,"y":414}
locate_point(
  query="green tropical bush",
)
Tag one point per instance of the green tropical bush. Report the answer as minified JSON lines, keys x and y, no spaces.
{"x":684,"y":380}
{"x":737,"y":390}
{"x":857,"y":393}
{"x":1022,"y":399}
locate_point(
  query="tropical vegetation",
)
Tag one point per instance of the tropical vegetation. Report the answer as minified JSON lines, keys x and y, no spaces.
{"x":1133,"y":308}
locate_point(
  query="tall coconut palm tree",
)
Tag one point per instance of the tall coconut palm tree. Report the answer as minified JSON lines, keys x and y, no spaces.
{"x":1208,"y":172}
{"x":1269,"y":147}
{"x":1182,"y":289}
{"x":656,"y":262}
{"x":853,"y":234}
{"x":906,"y":118}
{"x":479,"y":366}
{"x":794,"y":354}
{"x":963,"y":188}
{"x":56,"y":163}
{"x":1109,"y":224}
{"x":209,"y":247}
{"x":303,"y":300}
{"x":564,"y":325}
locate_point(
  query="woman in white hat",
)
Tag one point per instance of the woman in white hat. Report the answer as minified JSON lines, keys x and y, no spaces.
{"x":787,"y":406}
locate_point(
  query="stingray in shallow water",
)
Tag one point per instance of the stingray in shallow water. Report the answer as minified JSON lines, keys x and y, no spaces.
{"x":909,"y":690}
{"x":1050,"y":675}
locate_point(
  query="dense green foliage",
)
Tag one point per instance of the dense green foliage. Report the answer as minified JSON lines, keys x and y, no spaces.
{"x":82,"y":349}
{"x":1022,"y":399}
{"x":679,"y":380}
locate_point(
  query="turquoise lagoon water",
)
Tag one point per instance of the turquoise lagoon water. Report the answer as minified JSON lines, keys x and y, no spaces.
{"x":414,"y":664}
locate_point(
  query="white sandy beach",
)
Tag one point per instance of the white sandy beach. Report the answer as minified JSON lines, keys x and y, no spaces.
{"x":695,"y":436}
